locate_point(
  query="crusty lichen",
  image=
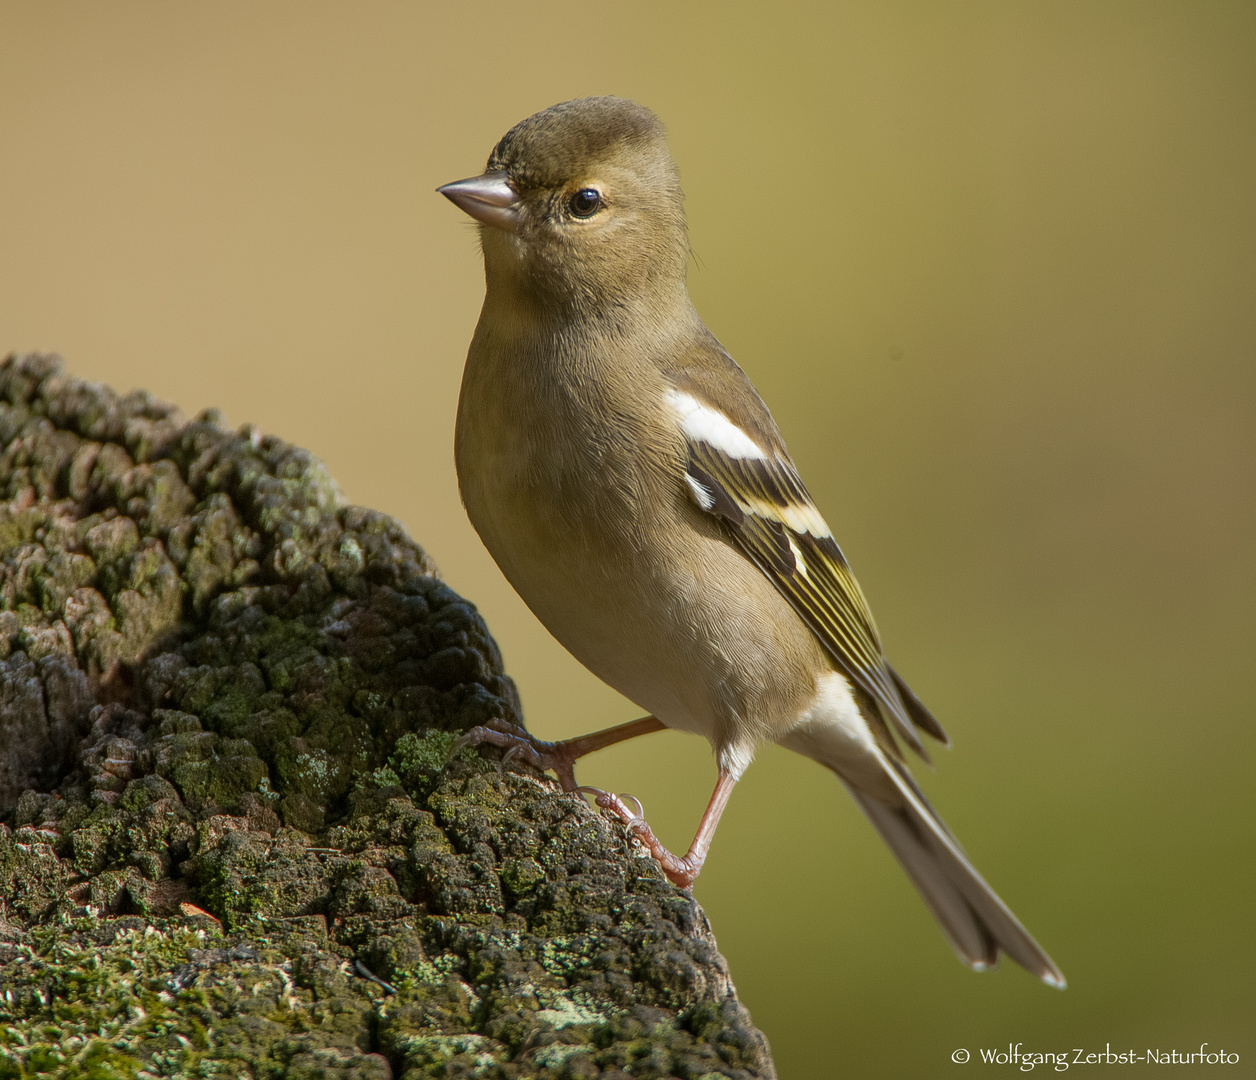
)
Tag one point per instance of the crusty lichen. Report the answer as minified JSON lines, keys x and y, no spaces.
{"x":235,"y":838}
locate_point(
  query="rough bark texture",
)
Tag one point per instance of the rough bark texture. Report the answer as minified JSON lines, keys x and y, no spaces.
{"x":228,"y":816}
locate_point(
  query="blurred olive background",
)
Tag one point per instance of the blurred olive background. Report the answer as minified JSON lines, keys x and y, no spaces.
{"x":993,"y":265}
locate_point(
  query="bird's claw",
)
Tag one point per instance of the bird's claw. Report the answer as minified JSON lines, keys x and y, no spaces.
{"x":607,"y":800}
{"x":519,"y":745}
{"x":679,"y":871}
{"x":491,"y":732}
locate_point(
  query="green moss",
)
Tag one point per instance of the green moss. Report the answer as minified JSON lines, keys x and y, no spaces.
{"x":419,"y":757}
{"x":562,"y":1011}
{"x":171,"y":1001}
{"x":232,"y":800}
{"x":521,"y":876}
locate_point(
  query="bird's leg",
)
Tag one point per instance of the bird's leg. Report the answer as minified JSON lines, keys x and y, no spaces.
{"x":681,"y":871}
{"x":562,"y":756}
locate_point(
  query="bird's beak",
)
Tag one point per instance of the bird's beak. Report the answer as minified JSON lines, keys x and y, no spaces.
{"x":488,"y":198}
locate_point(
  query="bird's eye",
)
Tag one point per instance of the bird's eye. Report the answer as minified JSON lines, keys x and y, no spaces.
{"x":586,"y":202}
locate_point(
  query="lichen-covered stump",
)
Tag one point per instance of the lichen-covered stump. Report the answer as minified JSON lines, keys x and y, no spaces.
{"x":232,"y":841}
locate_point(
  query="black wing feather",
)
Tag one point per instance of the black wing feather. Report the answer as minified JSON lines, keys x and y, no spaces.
{"x":764,"y":505}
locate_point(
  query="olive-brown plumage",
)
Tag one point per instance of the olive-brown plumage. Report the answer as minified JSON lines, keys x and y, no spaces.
{"x":635,"y":491}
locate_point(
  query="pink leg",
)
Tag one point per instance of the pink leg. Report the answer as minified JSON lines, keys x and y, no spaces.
{"x":559,"y":756}
{"x":681,"y":871}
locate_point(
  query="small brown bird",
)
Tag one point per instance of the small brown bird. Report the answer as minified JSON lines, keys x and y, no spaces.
{"x":635,"y":491}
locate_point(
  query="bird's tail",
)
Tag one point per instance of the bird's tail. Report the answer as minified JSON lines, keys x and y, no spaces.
{"x":976,"y":922}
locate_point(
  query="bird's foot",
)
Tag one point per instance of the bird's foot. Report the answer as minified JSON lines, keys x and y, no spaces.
{"x":558,"y":757}
{"x":680,"y":871}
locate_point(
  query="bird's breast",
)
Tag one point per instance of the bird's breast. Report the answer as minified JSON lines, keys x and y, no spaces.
{"x":577,"y":490}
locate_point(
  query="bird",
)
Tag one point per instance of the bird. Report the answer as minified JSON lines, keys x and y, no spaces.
{"x":634,"y":489}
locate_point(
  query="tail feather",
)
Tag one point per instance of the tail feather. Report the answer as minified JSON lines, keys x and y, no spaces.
{"x":976,"y":922}
{"x":840,"y":733}
{"x":920,"y":715}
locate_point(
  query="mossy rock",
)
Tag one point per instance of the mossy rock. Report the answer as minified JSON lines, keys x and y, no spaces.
{"x":234,"y":837}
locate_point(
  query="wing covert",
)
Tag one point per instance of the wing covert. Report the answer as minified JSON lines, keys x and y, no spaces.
{"x":772,"y":518}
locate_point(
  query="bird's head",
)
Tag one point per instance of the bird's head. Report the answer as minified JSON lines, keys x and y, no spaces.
{"x":580,"y":205}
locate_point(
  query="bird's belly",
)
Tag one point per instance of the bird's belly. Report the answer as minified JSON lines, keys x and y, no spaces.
{"x":674,"y":631}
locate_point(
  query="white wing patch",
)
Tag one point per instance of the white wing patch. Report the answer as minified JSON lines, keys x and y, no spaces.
{"x":701,"y":423}
{"x":701,"y":496}
{"x":801,"y":517}
{"x":800,"y":564}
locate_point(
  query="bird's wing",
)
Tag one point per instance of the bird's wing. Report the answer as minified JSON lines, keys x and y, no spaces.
{"x":756,"y":492}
